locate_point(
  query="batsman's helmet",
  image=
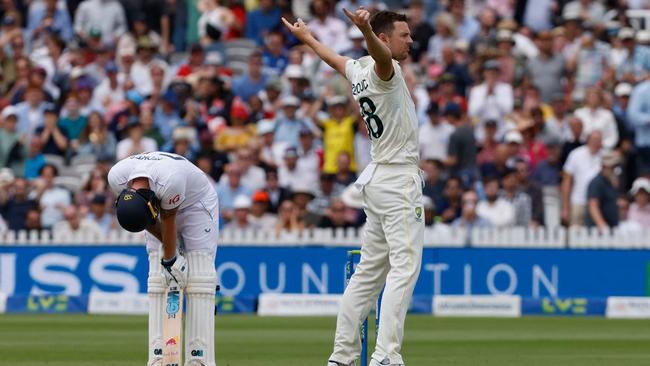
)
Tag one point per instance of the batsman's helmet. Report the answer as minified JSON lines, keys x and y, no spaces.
{"x":136,"y":209}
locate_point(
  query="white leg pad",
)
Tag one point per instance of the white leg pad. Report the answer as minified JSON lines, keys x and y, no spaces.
{"x":156,"y":292}
{"x":199,"y":321}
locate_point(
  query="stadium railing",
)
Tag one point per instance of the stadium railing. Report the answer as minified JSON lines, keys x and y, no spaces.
{"x":438,"y":236}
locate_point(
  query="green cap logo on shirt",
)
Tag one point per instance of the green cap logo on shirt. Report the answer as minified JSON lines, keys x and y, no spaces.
{"x":418,"y":213}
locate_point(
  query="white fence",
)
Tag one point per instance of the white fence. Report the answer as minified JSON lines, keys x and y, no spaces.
{"x":438,"y":236}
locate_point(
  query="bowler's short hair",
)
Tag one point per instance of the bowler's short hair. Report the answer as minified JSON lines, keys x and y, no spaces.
{"x":384,"y":21}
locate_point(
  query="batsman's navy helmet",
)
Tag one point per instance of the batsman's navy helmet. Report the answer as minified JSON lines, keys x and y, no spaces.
{"x":136,"y":209}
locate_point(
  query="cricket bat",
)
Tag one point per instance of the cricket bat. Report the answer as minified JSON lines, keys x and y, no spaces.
{"x":173,"y":327}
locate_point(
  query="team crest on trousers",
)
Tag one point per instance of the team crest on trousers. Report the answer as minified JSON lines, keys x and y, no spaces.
{"x":418,"y":213}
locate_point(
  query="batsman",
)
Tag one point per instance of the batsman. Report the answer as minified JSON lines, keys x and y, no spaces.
{"x":173,"y":200}
{"x":391,"y":185}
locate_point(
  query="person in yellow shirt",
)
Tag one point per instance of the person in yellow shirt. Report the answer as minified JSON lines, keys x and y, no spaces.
{"x":338,"y":133}
{"x":238,"y":133}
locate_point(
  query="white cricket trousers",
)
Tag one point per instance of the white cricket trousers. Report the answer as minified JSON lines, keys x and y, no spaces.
{"x":391,"y":254}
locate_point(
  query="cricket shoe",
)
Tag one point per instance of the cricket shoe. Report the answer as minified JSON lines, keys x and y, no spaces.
{"x":384,"y":362}
{"x":334,"y":363}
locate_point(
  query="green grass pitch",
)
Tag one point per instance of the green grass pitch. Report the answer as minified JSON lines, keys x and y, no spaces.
{"x":76,"y":340}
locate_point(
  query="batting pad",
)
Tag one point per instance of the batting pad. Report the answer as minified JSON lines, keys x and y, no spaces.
{"x":155,"y":291}
{"x":199,"y":321}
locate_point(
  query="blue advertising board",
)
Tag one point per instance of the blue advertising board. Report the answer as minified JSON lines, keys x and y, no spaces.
{"x":247,"y":271}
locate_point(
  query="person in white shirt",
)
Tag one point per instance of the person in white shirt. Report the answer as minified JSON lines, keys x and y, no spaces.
{"x":595,"y":117}
{"x":242,"y":209}
{"x":110,"y":90}
{"x":391,"y":185}
{"x":293,"y":171}
{"x":434,"y":136}
{"x":491,"y":100}
{"x":494,"y":209}
{"x":326,"y":27}
{"x":51,"y":198}
{"x":252,"y":176}
{"x":105,"y":16}
{"x":74,"y":224}
{"x":173,"y":200}
{"x":259,"y":215}
{"x":135,"y":143}
{"x":582,"y":165}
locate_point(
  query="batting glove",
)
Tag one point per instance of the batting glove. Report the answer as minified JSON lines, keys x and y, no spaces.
{"x":175,"y":269}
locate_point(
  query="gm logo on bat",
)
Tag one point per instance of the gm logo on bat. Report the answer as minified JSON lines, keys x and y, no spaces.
{"x":172,"y":304}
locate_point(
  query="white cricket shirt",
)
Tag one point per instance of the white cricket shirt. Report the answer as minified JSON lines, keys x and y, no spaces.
{"x":177,"y":182}
{"x":388,"y":111}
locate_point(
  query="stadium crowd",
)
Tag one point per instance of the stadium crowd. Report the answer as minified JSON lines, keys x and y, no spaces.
{"x":531,"y":113}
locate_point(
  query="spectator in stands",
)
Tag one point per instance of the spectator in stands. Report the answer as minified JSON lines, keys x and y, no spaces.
{"x":338,"y":131}
{"x":274,"y":56}
{"x":33,"y":219}
{"x":461,"y":152}
{"x":241,"y":213}
{"x":13,"y":151}
{"x":357,"y":48}
{"x":52,"y":199}
{"x":253,"y":81}
{"x":451,"y":207}
{"x":166,"y":115}
{"x":100,"y":215}
{"x":635,"y":65}
{"x":469,"y":218}
{"x":595,"y":116}
{"x":135,"y":143}
{"x":15,"y":204}
{"x":534,"y":191}
{"x":253,"y":177}
{"x":30,"y":112}
{"x":96,"y":140}
{"x":72,"y":121}
{"x":229,"y":189}
{"x":35,"y":159}
{"x":639,"y":211}
{"x":335,"y":217}
{"x":288,"y":219}
{"x":639,"y":115}
{"x":276,"y":193}
{"x":434,"y":136}
{"x":491,"y":99}
{"x":533,"y":148}
{"x":488,"y":147}
{"x":547,"y":70}
{"x":574,"y":139}
{"x":261,"y":21}
{"x":53,"y":136}
{"x":626,"y":225}
{"x":182,"y":139}
{"x":511,"y":65}
{"x":288,"y":125}
{"x":547,"y":172}
{"x":602,"y":208}
{"x":513,"y":193}
{"x":49,"y":20}
{"x":103,"y":17}
{"x":589,"y":63}
{"x":301,"y":195}
{"x":327,"y":191}
{"x":494,"y":209}
{"x":260,"y":216}
{"x":326,"y":27}
{"x":95,"y":184}
{"x":445,"y":34}
{"x":238,"y":133}
{"x":268,"y":153}
{"x":345,"y":176}
{"x":292,"y":171}
{"x":74,"y":224}
{"x":310,"y":155}
{"x":582,"y":165}
{"x":434,"y":183}
{"x":215,"y":21}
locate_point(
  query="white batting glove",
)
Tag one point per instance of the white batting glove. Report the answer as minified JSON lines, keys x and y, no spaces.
{"x":175,"y":270}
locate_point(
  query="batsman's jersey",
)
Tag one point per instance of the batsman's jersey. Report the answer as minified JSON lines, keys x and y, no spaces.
{"x":388,"y":112}
{"x":177,"y":182}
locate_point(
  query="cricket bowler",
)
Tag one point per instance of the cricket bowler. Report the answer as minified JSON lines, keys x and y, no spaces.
{"x":391,"y":186}
{"x":173,"y":200}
